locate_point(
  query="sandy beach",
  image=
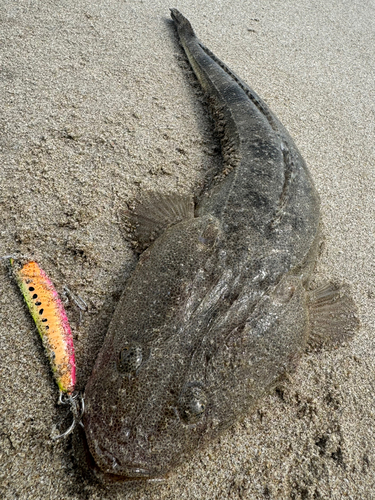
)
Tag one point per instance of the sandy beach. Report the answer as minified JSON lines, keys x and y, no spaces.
{"x":99,"y":104}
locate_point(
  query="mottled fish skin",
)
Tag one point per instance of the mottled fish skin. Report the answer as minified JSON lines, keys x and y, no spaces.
{"x":215,"y":311}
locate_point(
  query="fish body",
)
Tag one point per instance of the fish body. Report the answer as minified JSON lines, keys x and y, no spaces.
{"x":216,"y":309}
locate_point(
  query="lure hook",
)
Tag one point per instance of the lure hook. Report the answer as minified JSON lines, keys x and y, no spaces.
{"x":77,"y":407}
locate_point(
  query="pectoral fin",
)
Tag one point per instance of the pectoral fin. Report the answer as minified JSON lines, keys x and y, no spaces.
{"x":146,"y":219}
{"x":332,"y":314}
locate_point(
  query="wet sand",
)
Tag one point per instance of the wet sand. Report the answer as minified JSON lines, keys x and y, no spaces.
{"x":97,"y":105}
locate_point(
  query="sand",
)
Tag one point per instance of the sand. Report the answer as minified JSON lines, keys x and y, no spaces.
{"x":97,"y":105}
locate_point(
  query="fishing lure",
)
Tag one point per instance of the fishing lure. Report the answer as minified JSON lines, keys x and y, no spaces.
{"x":52,"y":323}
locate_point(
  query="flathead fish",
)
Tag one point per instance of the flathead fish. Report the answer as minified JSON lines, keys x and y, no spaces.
{"x":217,"y":309}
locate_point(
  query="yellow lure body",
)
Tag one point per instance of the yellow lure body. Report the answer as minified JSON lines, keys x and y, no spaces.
{"x":50,"y":318}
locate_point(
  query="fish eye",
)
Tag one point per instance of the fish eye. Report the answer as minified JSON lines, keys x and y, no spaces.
{"x":192,"y":402}
{"x":130,"y":359}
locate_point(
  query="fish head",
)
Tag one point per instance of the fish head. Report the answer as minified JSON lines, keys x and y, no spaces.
{"x":151,"y":406}
{"x":143,"y":416}
{"x":190,"y":349}
{"x":146,"y":407}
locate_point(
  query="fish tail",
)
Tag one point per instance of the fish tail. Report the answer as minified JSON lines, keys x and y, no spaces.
{"x":183,"y":25}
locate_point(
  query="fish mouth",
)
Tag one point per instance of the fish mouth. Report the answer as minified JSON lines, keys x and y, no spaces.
{"x":109,"y":469}
{"x":134,"y":472}
{"x":116,"y":470}
{"x":131,"y":470}
{"x":128,"y":472}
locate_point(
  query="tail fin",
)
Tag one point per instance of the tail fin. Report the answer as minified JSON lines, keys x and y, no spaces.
{"x":182,"y":24}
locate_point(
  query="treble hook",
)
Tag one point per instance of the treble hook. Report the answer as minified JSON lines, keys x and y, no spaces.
{"x":77,"y":407}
